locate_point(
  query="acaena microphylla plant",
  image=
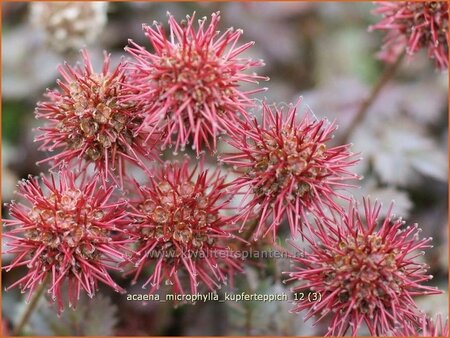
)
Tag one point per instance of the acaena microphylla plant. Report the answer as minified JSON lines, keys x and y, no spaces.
{"x":88,"y":124}
{"x":191,"y":80}
{"x":366,"y":271}
{"x":68,"y":26}
{"x":69,"y":231}
{"x":182,"y":228}
{"x":414,"y":25}
{"x":287,"y":168}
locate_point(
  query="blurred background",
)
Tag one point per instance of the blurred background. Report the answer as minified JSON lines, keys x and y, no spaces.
{"x":321,"y":51}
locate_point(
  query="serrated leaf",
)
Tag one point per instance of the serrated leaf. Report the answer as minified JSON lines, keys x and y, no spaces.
{"x":92,"y":317}
{"x":385,"y":195}
{"x":399,"y":149}
{"x":266,"y":318}
{"x":431,"y":163}
{"x":101,"y":317}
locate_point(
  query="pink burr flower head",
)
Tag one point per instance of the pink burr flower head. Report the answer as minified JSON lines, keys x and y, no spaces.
{"x":66,"y":232}
{"x":87,"y":122}
{"x":182,"y":228}
{"x":366,"y":271}
{"x":191,"y":80}
{"x":414,"y":25}
{"x":287,"y":168}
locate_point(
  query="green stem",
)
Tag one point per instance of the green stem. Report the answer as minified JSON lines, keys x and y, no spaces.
{"x":30,"y":308}
{"x":388,"y":73}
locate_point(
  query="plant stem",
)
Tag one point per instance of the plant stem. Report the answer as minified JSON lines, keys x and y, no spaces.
{"x":30,"y":308}
{"x":387,"y":74}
